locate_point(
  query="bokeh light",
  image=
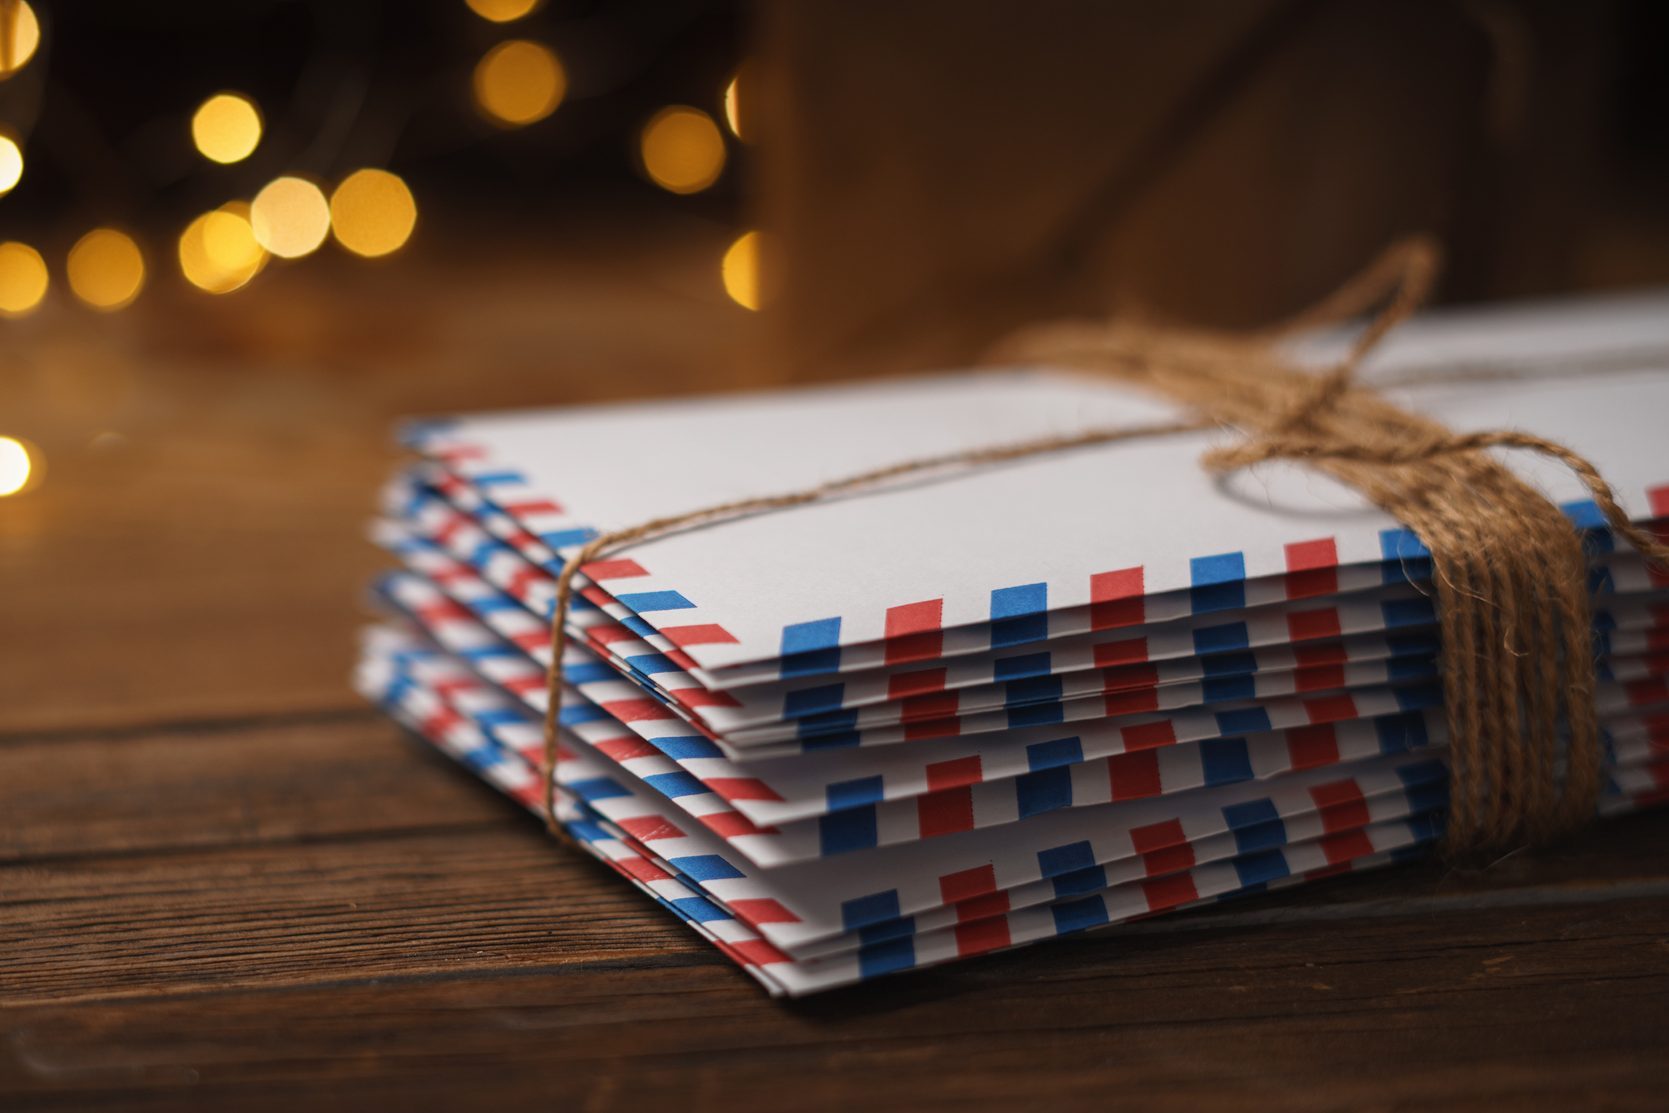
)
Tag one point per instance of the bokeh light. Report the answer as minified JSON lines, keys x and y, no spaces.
{"x":502,"y":11}
{"x":290,"y":217}
{"x":105,"y":269}
{"x":733,"y":104}
{"x":22,"y":279}
{"x":18,"y":468}
{"x":519,"y":82}
{"x":682,"y":149}
{"x":740,"y":270}
{"x":218,"y":251}
{"x":226,"y":127}
{"x":20,"y":35}
{"x":11,"y":163}
{"x":372,"y":212}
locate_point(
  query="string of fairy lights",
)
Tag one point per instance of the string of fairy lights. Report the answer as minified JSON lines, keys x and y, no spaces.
{"x":370,"y":212}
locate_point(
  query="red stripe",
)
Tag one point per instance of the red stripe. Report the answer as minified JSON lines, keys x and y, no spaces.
{"x":702,"y":634}
{"x":1153,"y":837}
{"x":1116,"y":599}
{"x":618,"y":569}
{"x":1341,"y":805}
{"x":1346,"y":846}
{"x":1312,"y":568}
{"x":912,"y":632}
{"x":946,"y":812}
{"x":967,"y":884}
{"x":1312,"y":747}
{"x":762,"y":910}
{"x":648,"y":828}
{"x":1133,"y":776}
{"x":1330,"y":709}
{"x":1147,"y":736}
{"x":906,"y":684}
{"x":1309,"y":625}
{"x":1168,"y":892}
{"x":741,"y":788}
{"x":981,"y":936}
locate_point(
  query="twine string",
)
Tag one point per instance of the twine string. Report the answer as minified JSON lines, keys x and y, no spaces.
{"x":1509,"y":569}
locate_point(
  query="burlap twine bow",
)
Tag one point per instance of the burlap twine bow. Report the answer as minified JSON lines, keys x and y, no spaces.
{"x":1508,"y":567}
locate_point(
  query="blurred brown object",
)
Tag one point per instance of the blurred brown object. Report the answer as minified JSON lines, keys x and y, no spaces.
{"x":937,"y":173}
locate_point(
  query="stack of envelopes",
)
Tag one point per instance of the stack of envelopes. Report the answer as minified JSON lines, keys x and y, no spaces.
{"x":968,"y":712}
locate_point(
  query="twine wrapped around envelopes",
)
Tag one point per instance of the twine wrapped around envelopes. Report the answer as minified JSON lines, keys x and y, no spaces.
{"x":1508,"y":567}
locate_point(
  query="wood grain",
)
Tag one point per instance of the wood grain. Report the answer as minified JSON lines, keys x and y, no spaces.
{"x":225,"y":883}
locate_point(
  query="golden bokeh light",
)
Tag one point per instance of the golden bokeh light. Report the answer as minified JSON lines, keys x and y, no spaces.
{"x":20,"y":35}
{"x":519,"y":82}
{"x":105,"y":269}
{"x":290,"y":217}
{"x":218,"y":251}
{"x":682,"y":149}
{"x":22,"y":279}
{"x":372,"y":212}
{"x":18,"y":468}
{"x":226,"y":127}
{"x":734,"y":102}
{"x":503,"y":11}
{"x":740,"y":270}
{"x":11,"y":163}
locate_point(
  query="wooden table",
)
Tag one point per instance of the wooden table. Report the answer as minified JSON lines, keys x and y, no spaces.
{"x":224,"y":880}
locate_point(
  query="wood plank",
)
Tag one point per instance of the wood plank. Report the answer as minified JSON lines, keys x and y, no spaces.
{"x":1462,"y":1010}
{"x":365,"y":923}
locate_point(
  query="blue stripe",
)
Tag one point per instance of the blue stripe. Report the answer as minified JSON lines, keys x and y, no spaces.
{"x":1036,"y":715}
{"x":642,"y":601}
{"x":1219,"y":582}
{"x":1019,"y":614}
{"x":1401,"y":544}
{"x":1080,"y":882}
{"x":1066,"y":858}
{"x":888,"y":930}
{"x":597,"y":788}
{"x":675,"y":784}
{"x":1037,"y":689}
{"x":683,"y":748}
{"x":848,"y":830}
{"x":887,"y":958}
{"x":1225,"y":761}
{"x":1408,"y":612}
{"x":705,"y":867}
{"x":497,"y":478}
{"x":1079,"y":915}
{"x":1057,"y":751}
{"x":827,"y":722}
{"x":1044,"y":791}
{"x":567,"y":538}
{"x":1261,"y":868}
{"x":1229,"y":664}
{"x":872,"y":909}
{"x":648,"y":664}
{"x":1245,"y":720}
{"x":1401,"y":733}
{"x":1021,"y":667}
{"x":812,"y":701}
{"x":699,"y":909}
{"x":588,"y":672}
{"x":855,"y":793}
{"x":810,"y":648}
{"x":1226,"y":689}
{"x":1221,"y":639}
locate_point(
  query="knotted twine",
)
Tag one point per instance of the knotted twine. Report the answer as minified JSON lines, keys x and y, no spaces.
{"x":1508,"y":567}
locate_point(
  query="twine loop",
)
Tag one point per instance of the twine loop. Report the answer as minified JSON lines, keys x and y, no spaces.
{"x":1508,"y":567}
